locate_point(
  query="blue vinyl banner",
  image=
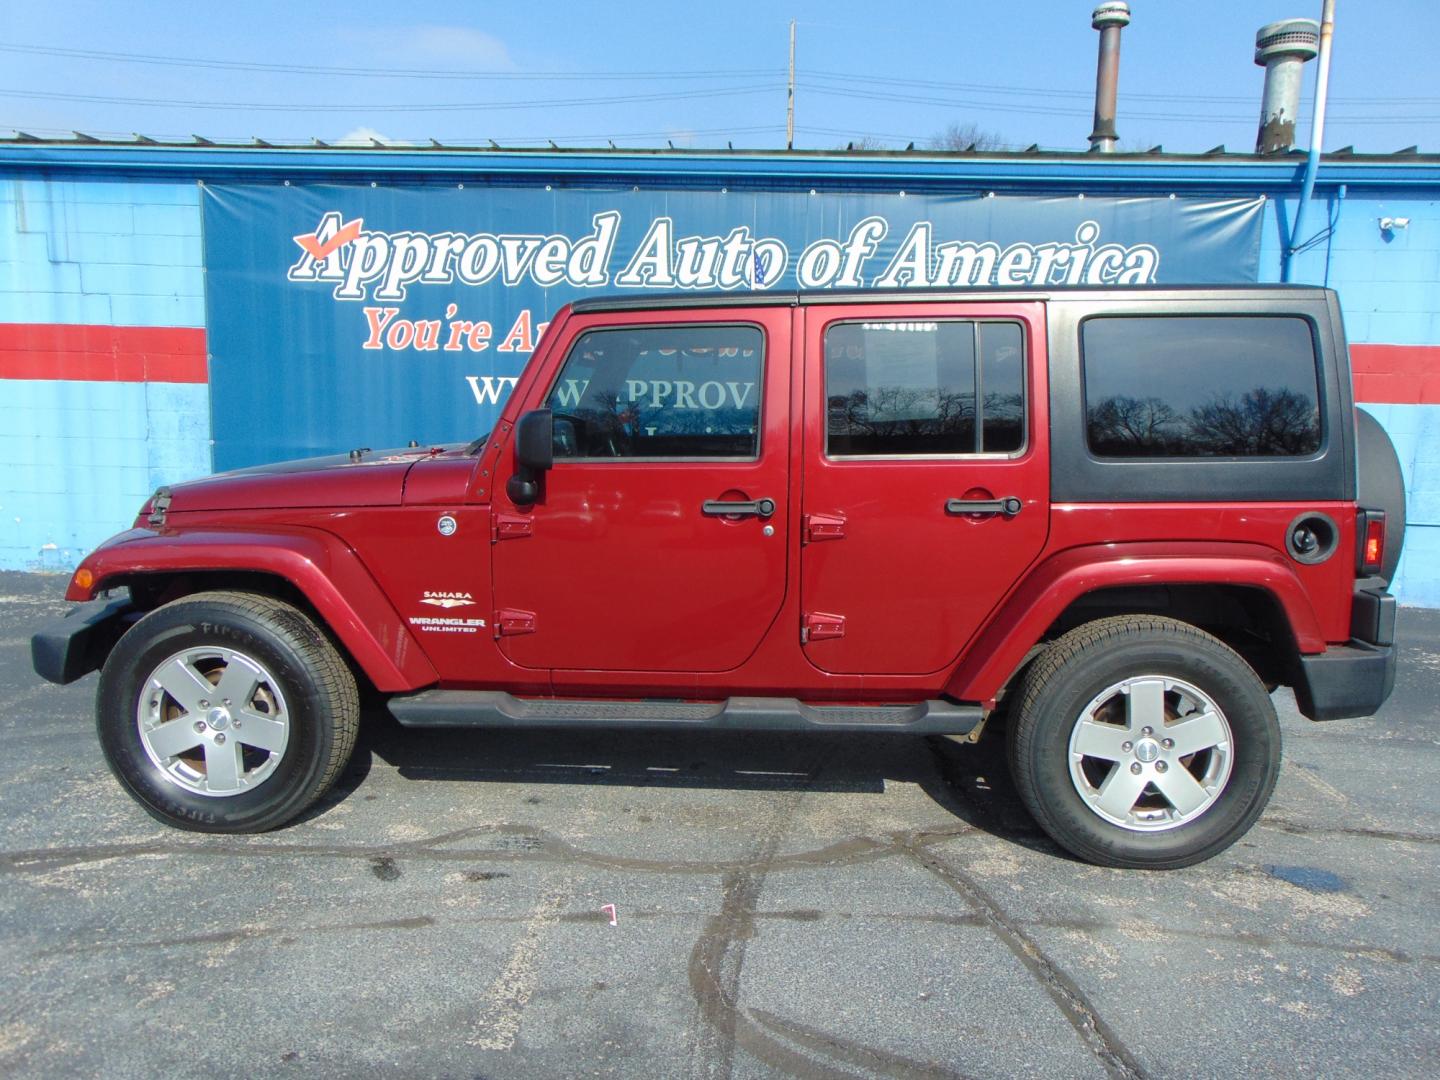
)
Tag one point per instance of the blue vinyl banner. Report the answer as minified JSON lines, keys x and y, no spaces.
{"x":342,"y":316}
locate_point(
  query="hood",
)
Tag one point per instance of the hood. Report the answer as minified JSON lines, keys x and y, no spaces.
{"x":361,"y":478}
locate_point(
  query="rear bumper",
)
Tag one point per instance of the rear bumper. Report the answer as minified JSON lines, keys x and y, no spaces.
{"x":77,"y":643}
{"x":1345,"y":681}
{"x":1356,"y":678}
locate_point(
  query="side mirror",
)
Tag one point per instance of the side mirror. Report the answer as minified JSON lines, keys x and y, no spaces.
{"x":534,"y":455}
{"x":535,"y":440}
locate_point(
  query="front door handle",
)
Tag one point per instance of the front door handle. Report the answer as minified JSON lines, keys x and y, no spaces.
{"x":1008,"y":506}
{"x":724,"y":508}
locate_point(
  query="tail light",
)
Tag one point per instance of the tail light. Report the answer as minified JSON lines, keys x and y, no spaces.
{"x":1370,"y":532}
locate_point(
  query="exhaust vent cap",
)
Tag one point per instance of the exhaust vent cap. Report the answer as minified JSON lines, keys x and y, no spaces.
{"x":1288,"y":37}
{"x":1111,"y":13}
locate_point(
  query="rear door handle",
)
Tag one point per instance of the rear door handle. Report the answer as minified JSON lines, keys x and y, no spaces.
{"x":723,"y":508}
{"x":1008,"y":506}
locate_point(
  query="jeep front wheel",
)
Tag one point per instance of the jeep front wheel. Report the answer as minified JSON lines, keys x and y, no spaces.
{"x":226,"y":712}
{"x":1144,"y":742}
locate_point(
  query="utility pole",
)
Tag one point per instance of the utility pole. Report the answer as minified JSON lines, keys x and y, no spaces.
{"x":790,"y":104}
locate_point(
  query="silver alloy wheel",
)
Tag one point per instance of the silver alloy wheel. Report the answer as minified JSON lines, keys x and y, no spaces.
{"x":213,"y":721}
{"x":1151,"y":753}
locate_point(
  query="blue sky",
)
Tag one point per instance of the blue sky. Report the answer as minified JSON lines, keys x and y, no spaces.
{"x":642,"y":73}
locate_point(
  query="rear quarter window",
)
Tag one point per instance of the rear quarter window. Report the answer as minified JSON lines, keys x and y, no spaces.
{"x":1200,"y":386}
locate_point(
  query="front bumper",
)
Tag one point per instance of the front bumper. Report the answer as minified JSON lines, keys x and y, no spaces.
{"x":77,"y":643}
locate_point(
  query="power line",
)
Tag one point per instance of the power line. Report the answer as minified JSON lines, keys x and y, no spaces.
{"x":846,"y":78}
{"x":668,"y":133}
{"x":546,"y":103}
{"x":1040,"y":110}
{"x":379,"y":73}
{"x":844,"y":133}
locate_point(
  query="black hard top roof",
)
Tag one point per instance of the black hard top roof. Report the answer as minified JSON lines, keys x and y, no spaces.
{"x":807,"y":297}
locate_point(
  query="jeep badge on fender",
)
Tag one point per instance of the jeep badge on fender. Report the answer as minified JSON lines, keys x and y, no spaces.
{"x":1115,"y":518}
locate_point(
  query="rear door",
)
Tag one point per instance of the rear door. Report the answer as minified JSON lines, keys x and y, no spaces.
{"x":926,"y":477}
{"x":659,"y":541}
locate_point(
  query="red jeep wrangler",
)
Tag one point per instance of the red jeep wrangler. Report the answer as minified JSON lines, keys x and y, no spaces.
{"x":1117,"y":517}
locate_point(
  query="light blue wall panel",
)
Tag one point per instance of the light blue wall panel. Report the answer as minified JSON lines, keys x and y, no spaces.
{"x":1415,"y":431}
{"x":1389,"y":287}
{"x":79,"y":459}
{"x":1389,"y":283}
{"x":118,"y":253}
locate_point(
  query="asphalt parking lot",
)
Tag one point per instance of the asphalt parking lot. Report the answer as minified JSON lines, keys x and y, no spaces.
{"x":807,"y":906}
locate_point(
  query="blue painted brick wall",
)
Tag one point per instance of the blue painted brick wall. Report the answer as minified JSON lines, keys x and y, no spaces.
{"x":77,"y":459}
{"x":1389,"y":288}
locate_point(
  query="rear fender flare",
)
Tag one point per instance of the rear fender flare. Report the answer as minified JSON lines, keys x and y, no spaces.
{"x":325,"y":570}
{"x":1000,"y":648}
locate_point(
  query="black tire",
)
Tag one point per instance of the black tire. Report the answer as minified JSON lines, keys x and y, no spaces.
{"x":321,"y":709}
{"x":1091,"y":659}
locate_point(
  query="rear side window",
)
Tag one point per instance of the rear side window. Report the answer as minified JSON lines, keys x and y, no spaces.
{"x":653,"y":392}
{"x":1200,"y":386}
{"x":924,"y":388}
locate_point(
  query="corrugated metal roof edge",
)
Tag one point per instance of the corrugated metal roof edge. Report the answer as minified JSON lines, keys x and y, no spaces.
{"x":1214,"y":170}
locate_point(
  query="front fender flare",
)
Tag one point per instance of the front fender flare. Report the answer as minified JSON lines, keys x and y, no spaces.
{"x":322,"y":566}
{"x":1022,"y":618}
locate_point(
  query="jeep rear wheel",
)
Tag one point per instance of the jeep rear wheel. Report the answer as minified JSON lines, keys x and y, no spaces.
{"x":226,"y":712}
{"x":1144,"y":742}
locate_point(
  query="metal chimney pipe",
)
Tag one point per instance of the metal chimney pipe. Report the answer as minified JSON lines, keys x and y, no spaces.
{"x":1109,"y":18}
{"x":1282,"y":49}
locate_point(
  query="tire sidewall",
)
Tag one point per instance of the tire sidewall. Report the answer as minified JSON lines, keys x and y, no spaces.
{"x":1255,"y":749}
{"x":180,"y":626}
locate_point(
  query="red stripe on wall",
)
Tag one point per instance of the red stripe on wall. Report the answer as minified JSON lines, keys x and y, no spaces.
{"x":1396,"y":374}
{"x":1383,"y":374}
{"x":102,"y":353}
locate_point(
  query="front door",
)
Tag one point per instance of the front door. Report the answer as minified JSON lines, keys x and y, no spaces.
{"x":926,"y":490}
{"x":659,"y":539}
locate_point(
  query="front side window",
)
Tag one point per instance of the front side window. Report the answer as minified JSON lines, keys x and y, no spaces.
{"x":660,"y":392}
{"x":924,"y":388}
{"x":1200,"y":386}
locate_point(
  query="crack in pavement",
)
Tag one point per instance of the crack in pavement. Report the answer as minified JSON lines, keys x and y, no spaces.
{"x":715,"y":967}
{"x":717,"y":958}
{"x":1073,"y":1004}
{"x":1305,"y":828}
{"x":1359,"y":950}
{"x":529,"y":845}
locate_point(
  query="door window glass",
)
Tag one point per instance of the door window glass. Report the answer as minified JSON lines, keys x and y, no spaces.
{"x":915,"y":388}
{"x":660,"y":392}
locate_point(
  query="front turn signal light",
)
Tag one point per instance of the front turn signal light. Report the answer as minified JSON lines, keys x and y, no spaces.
{"x":84,"y":578}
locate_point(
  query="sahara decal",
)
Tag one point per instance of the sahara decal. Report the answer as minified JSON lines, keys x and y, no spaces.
{"x":447,"y":599}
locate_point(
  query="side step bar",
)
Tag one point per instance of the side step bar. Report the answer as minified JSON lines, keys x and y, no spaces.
{"x":497,"y":709}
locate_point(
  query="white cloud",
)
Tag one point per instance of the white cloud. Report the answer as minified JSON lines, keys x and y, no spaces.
{"x":361,"y":136}
{"x":448,"y":46}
